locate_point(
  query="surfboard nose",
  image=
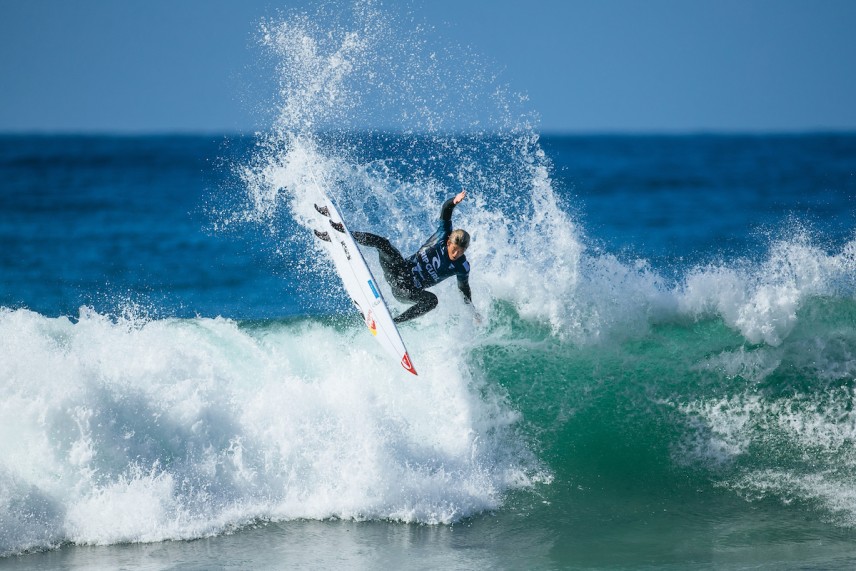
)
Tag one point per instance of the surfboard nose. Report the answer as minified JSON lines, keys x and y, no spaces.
{"x":408,"y":365}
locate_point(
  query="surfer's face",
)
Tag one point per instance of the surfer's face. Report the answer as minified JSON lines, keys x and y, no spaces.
{"x":454,"y":250}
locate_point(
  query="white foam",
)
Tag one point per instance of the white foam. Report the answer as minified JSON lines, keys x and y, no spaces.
{"x":112,"y":431}
{"x":833,"y":494}
{"x":798,"y":447}
{"x":762,"y":301}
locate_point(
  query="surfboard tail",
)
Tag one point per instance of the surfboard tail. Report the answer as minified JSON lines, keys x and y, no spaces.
{"x":408,"y":364}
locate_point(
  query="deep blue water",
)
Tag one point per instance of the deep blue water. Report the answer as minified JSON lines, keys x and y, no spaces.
{"x":101,"y":220}
{"x":680,"y":200}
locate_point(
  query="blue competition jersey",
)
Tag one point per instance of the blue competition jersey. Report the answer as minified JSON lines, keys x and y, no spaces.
{"x":431,"y":264}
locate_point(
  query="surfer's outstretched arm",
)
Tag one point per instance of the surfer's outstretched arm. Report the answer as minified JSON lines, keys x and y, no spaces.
{"x":449,"y":206}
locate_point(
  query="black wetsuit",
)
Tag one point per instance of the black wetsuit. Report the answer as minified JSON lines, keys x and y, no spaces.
{"x":409,"y":278}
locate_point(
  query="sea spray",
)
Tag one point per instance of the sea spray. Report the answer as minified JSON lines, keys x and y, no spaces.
{"x":518,"y":223}
{"x":763,"y":300}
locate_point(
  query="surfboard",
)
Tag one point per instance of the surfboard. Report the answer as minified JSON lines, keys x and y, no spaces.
{"x":359,"y":281}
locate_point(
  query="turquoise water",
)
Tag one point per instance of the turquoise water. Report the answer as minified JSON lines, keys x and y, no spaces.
{"x":664,"y":378}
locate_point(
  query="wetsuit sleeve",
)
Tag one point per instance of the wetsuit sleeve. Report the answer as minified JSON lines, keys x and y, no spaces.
{"x":465,"y":289}
{"x":446,"y":215}
{"x":464,"y":283}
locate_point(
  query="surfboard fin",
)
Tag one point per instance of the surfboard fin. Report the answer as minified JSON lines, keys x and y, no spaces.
{"x":323,"y":210}
{"x":322,"y":236}
{"x":338,"y":226}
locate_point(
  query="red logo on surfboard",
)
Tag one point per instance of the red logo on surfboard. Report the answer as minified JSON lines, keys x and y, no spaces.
{"x":405,"y":362}
{"x":370,"y":323}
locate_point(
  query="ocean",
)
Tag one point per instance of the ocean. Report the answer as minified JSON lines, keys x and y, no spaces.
{"x":664,"y":376}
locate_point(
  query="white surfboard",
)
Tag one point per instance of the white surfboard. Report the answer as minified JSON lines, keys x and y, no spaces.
{"x":359,"y":281}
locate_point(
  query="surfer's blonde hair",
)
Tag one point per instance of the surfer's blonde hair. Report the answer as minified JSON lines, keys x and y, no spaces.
{"x":460,"y":238}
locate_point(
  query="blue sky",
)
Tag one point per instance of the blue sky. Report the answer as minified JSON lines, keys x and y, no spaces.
{"x":605,"y":65}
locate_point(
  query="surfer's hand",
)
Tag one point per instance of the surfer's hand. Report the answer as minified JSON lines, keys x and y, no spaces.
{"x":459,"y":197}
{"x":477,"y":318}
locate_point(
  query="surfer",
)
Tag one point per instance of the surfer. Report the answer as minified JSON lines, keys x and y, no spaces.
{"x":440,"y":257}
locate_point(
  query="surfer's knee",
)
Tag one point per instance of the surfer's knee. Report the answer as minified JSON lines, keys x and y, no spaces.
{"x":425,"y":302}
{"x":428,"y":300}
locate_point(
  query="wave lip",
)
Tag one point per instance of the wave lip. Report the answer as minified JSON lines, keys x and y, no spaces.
{"x":762,"y":302}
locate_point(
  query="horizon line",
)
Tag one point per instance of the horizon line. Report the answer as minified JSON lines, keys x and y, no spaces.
{"x":606,"y":132}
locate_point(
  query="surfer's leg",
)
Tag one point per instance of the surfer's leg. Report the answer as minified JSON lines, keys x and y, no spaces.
{"x":398,"y":276}
{"x":425,"y":302}
{"x":375,"y":241}
{"x":391,"y":261}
